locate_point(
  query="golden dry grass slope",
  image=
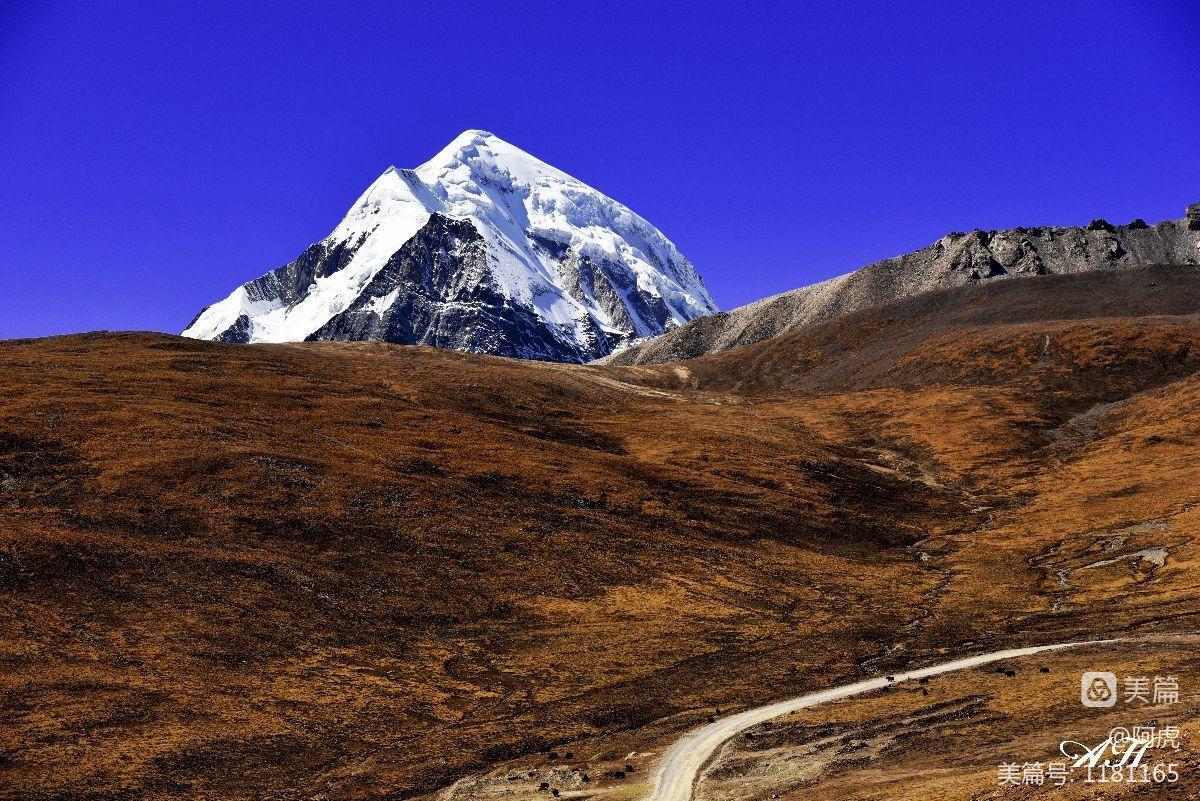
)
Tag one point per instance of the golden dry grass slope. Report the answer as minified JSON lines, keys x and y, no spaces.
{"x":351,"y":571}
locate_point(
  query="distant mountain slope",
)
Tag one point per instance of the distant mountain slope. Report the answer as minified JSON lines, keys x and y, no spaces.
{"x":956,"y":259}
{"x":484,"y":249}
{"x":1001,"y":333}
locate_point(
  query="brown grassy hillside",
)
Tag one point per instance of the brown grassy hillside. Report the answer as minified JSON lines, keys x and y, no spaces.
{"x":366,"y":571}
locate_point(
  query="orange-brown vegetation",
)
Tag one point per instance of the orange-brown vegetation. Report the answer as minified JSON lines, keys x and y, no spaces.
{"x":367,"y":571}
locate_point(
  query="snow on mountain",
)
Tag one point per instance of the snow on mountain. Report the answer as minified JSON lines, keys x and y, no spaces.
{"x":483,"y":248}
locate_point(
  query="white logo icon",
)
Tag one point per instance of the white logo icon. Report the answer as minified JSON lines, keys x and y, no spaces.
{"x":1098,"y":689}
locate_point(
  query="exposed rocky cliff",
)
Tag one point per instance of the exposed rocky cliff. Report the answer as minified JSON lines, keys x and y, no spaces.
{"x":954,"y":260}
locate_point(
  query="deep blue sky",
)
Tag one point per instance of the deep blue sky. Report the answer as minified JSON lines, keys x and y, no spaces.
{"x":154,"y":155}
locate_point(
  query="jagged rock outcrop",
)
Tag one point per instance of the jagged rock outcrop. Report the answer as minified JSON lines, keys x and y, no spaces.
{"x":954,"y":260}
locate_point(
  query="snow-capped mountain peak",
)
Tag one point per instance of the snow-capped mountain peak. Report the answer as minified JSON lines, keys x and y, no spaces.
{"x":484,"y":154}
{"x":485,"y":248}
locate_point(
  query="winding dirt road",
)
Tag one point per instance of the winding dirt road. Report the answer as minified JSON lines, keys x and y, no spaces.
{"x":684,"y":760}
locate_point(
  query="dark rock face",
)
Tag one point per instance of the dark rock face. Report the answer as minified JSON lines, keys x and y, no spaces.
{"x":956,"y":259}
{"x":436,"y":290}
{"x":614,"y":290}
{"x":289,"y":282}
{"x":239,"y":332}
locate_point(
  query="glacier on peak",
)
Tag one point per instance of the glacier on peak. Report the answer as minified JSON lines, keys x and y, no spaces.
{"x":482,"y":248}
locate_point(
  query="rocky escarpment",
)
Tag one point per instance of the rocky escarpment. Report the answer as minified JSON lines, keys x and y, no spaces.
{"x":954,"y":260}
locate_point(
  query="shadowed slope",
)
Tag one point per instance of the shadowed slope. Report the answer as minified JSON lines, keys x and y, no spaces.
{"x":994,"y":334}
{"x":368,"y":571}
